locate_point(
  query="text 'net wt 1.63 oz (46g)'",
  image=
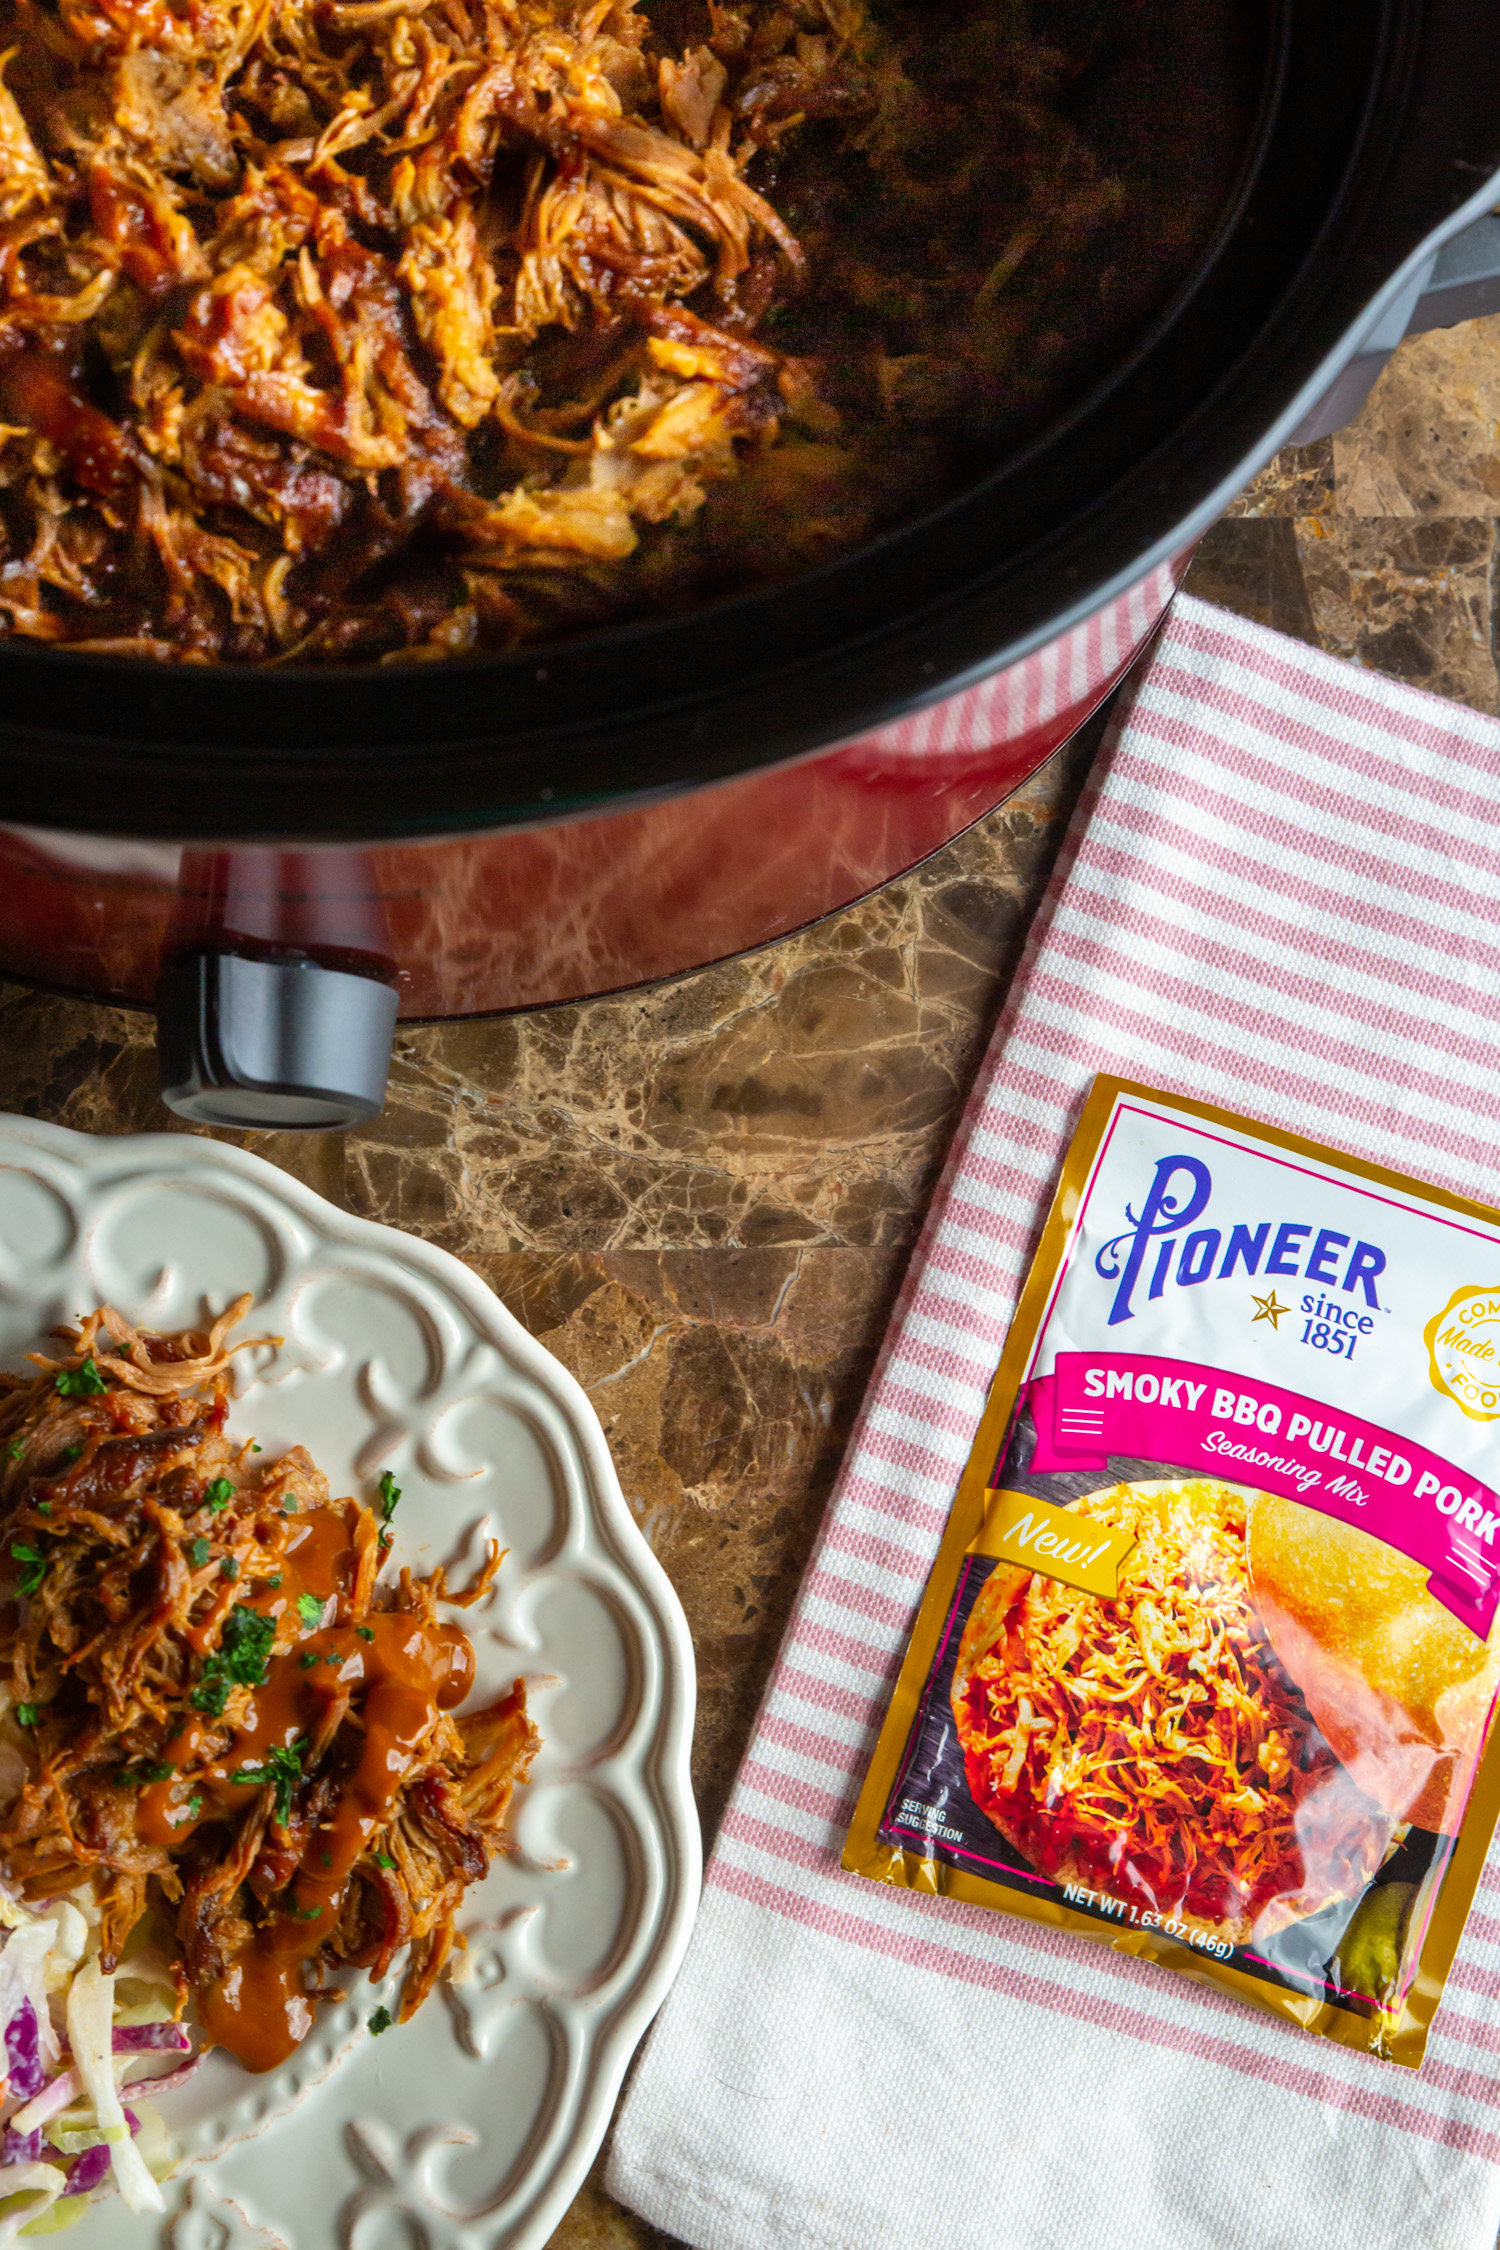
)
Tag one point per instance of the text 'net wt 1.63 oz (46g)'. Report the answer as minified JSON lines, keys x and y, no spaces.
{"x":1208,"y":1660}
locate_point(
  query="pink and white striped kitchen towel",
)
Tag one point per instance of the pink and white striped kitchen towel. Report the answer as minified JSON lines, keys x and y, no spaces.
{"x":1281,"y":893}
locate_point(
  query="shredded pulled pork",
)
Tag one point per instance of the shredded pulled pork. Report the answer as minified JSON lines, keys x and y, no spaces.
{"x":399,"y":328}
{"x":229,"y":1718}
{"x":1153,"y":1747}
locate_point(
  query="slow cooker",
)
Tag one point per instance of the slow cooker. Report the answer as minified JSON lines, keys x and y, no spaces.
{"x":285,"y":861}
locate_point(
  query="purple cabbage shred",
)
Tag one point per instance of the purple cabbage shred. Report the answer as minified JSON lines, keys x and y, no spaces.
{"x":23,"y":2053}
{"x":145,"y":2038}
{"x":90,"y":2170}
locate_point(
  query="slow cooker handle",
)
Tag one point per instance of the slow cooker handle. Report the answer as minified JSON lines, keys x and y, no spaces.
{"x":277,"y":1000}
{"x":1460,"y":282}
{"x":272,"y":1045}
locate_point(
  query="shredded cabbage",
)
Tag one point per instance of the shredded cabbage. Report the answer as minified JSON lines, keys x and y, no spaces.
{"x":23,"y":2053}
{"x":89,"y":2170}
{"x":91,"y":2003}
{"x":70,"y":1946}
{"x":152,"y":2138}
{"x":82,"y":2134}
{"x":23,"y":2185}
{"x":63,"y":2128}
{"x":65,"y":2212}
{"x":23,"y":1979}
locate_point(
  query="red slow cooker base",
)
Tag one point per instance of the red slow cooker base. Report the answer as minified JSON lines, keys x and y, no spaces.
{"x":525,"y":917}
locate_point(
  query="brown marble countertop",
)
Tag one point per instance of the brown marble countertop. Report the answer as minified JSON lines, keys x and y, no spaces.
{"x":701,"y":1197}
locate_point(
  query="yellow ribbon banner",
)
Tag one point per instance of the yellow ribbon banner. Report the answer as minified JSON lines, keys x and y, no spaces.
{"x":1020,"y":1529}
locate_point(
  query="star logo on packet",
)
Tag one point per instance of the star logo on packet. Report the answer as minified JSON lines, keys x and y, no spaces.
{"x":1269,"y":1309}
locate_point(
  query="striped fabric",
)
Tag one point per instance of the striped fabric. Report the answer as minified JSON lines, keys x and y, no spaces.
{"x":1028,"y":696}
{"x":1280,"y":893}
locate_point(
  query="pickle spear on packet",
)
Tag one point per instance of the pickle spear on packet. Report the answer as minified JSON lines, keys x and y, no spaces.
{"x":1207,"y":1664}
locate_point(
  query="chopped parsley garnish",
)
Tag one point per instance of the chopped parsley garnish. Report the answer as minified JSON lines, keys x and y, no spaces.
{"x":308,"y":1913}
{"x":42,"y":1507}
{"x":310,"y":1610}
{"x":80,"y":1382}
{"x":143,"y":1772}
{"x":245,"y":1644}
{"x":289,"y":1504}
{"x":282,"y":1771}
{"x":26,"y":1714}
{"x":33,"y":1566}
{"x":198,"y":1552}
{"x":384,"y":1859}
{"x":364,"y":1632}
{"x":326,"y":1858}
{"x":308,"y":1659}
{"x":390,"y":1493}
{"x":194,"y":1807}
{"x":275,"y":1583}
{"x":229,"y":1569}
{"x":17,"y":1448}
{"x":380,"y":2021}
{"x":255,"y":1449}
{"x":71,"y":1452}
{"x":219,"y":1494}
{"x":238,"y":1661}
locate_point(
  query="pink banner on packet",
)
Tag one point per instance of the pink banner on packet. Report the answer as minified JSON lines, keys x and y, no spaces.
{"x":1214,"y":1423}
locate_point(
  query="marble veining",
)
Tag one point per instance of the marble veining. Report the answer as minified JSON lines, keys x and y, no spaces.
{"x":1379,"y":543}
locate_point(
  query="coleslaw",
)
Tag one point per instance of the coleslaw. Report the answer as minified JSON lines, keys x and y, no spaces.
{"x":76,"y":2043}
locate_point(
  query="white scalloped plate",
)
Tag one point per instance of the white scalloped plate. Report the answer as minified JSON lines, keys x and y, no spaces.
{"x":471,"y":2127}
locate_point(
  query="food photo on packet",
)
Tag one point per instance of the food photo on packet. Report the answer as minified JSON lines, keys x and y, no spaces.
{"x":749,"y":1235}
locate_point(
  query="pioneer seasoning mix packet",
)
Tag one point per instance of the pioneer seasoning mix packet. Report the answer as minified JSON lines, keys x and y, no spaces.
{"x":1207,"y":1663}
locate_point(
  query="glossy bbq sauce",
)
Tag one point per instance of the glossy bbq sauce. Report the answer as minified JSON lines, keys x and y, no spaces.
{"x":396,"y":1672}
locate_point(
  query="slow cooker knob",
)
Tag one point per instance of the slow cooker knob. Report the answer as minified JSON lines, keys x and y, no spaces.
{"x":273,"y":1045}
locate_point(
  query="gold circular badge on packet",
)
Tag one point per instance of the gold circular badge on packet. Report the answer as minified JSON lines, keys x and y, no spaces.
{"x":1463,"y":1352}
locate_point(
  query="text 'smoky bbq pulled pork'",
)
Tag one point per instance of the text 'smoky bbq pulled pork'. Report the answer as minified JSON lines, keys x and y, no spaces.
{"x":236,"y":1730}
{"x":347,"y":329}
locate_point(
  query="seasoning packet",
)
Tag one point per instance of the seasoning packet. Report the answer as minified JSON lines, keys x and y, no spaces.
{"x":1207,"y":1664}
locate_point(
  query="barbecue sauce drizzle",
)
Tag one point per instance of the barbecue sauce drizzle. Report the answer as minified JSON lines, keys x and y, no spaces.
{"x":406,"y":1669}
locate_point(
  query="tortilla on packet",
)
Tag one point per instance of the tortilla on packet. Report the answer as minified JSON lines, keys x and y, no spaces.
{"x":1207,"y":1664}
